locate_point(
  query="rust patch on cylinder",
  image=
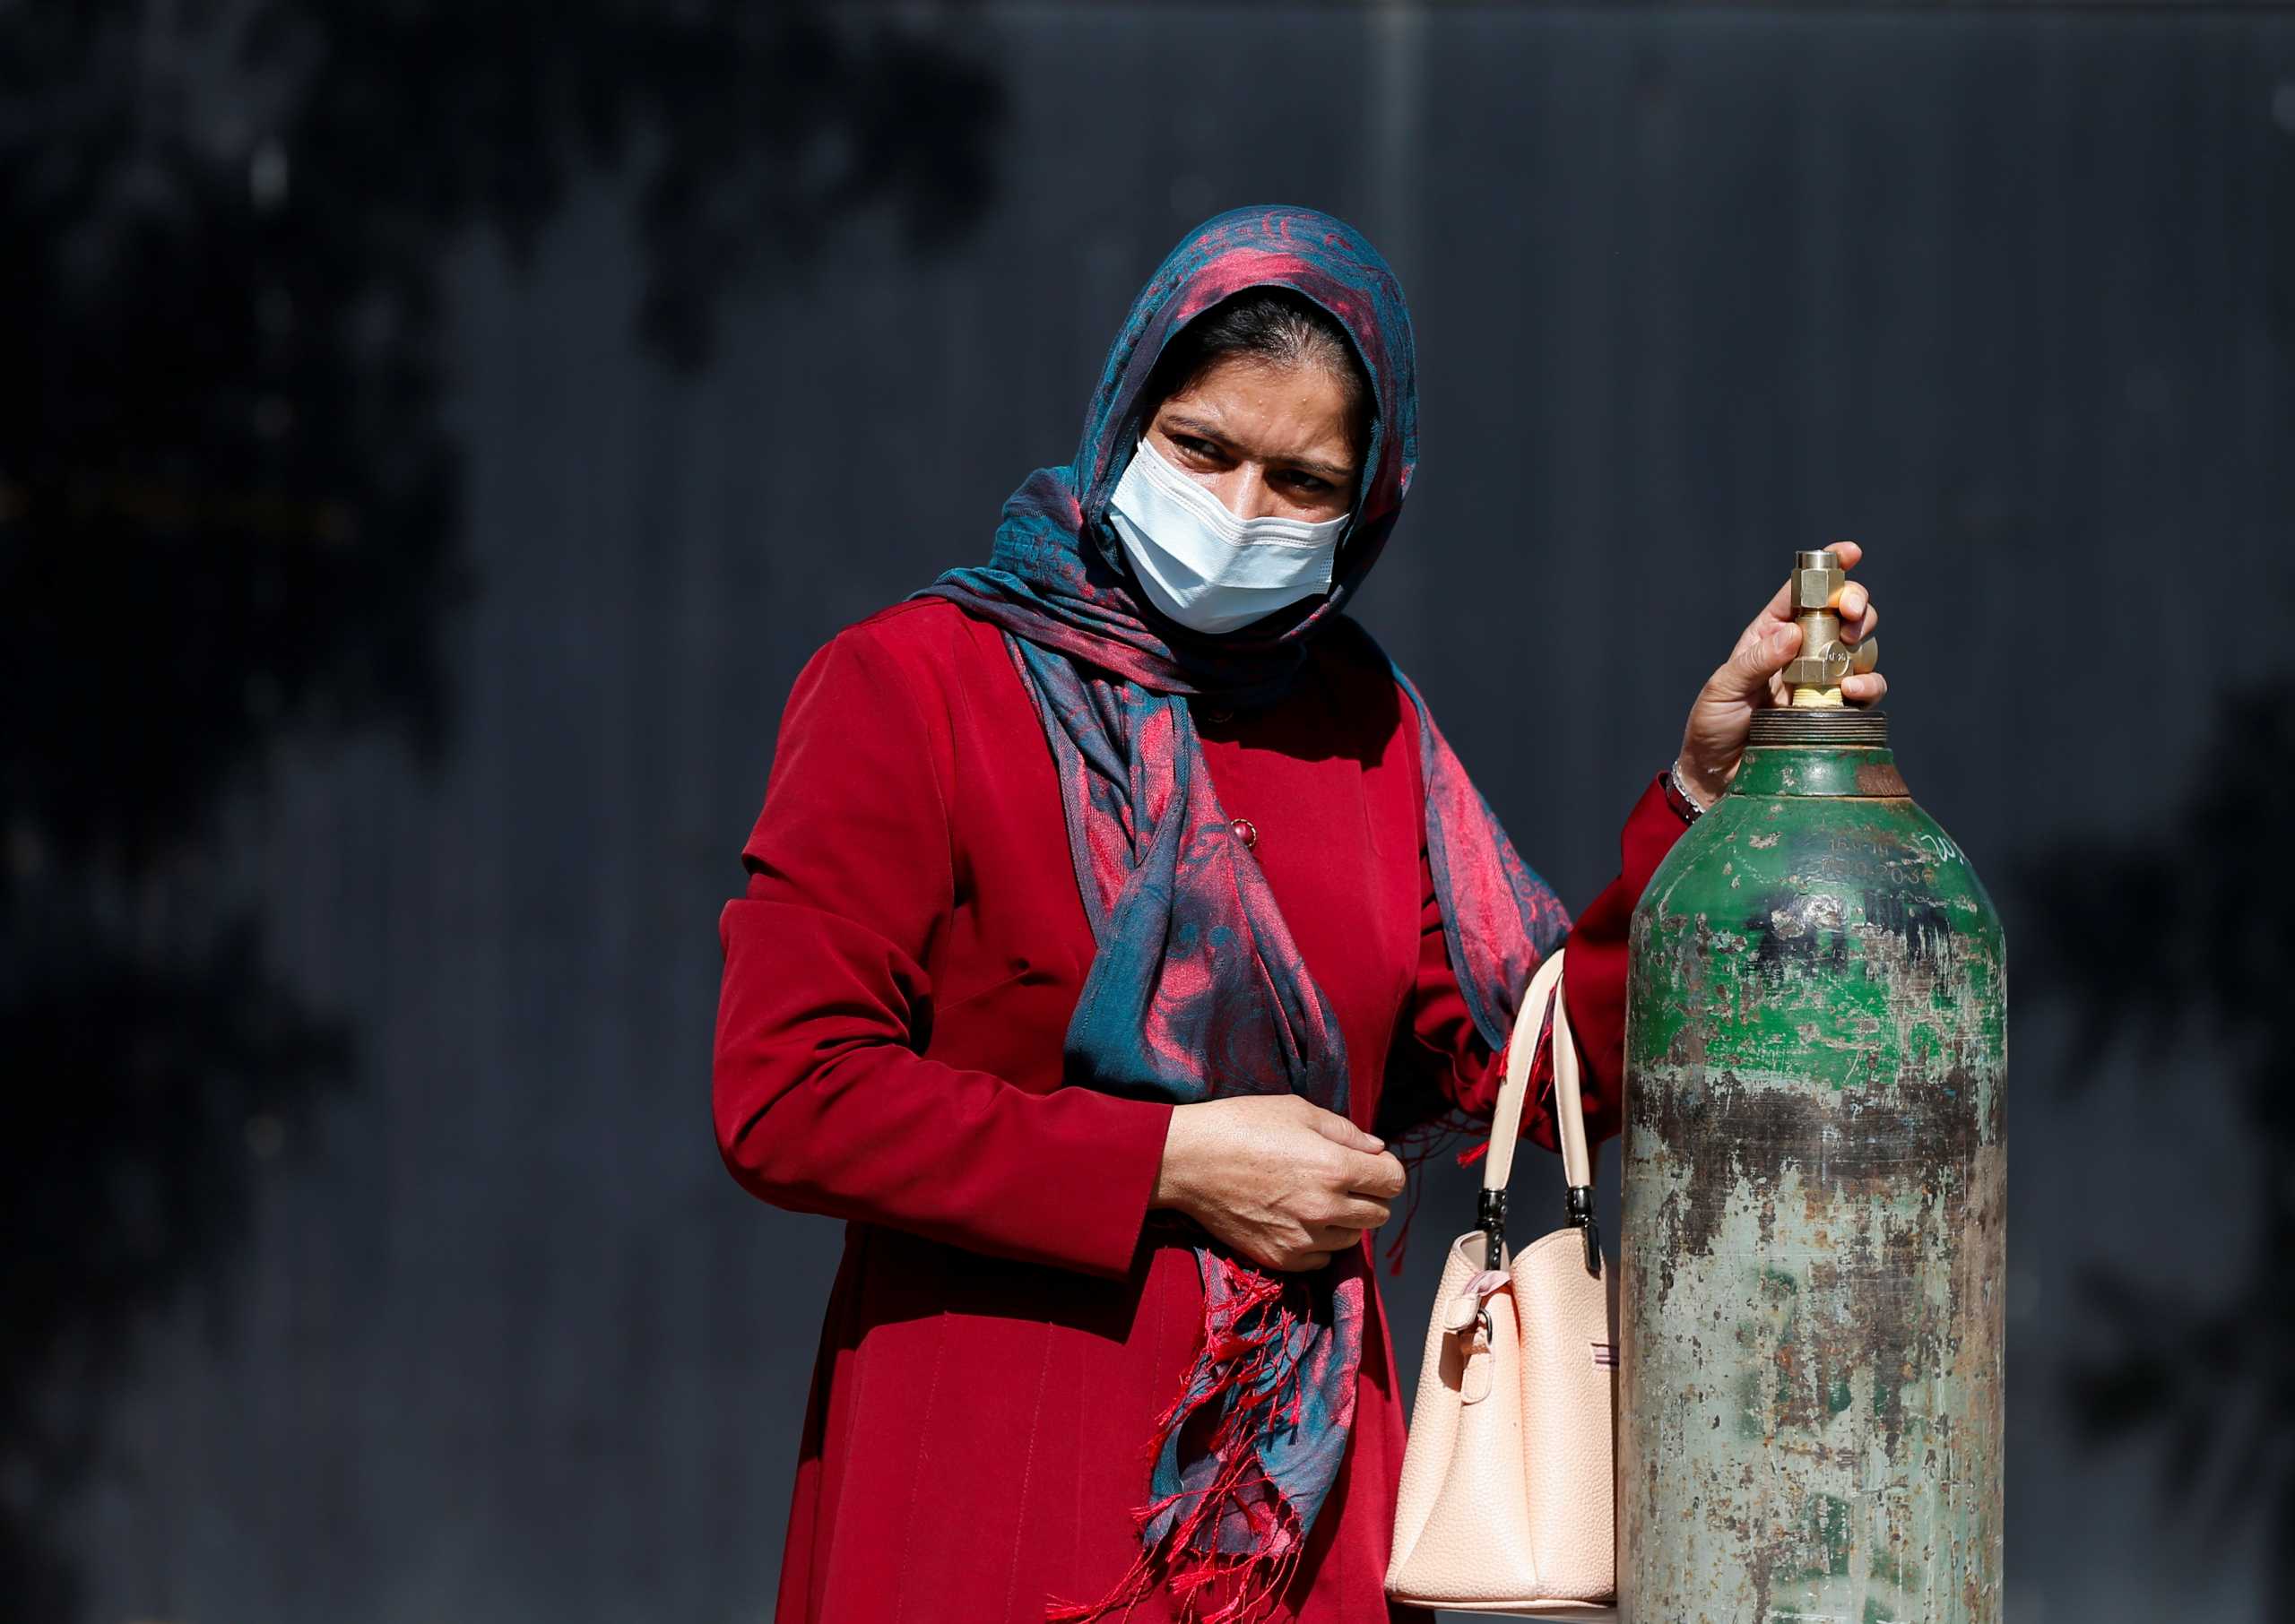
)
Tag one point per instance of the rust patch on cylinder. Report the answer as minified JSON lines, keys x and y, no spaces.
{"x":1881,"y":778}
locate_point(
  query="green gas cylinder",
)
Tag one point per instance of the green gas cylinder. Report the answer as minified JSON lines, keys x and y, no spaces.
{"x":1810,"y":1384}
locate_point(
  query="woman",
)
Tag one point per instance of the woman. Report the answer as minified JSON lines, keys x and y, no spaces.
{"x":1104,"y":900}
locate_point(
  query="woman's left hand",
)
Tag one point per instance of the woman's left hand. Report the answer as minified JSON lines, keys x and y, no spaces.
{"x":1750,"y":679}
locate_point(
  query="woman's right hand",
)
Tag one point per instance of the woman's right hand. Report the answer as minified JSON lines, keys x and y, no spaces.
{"x":1282,"y":1182}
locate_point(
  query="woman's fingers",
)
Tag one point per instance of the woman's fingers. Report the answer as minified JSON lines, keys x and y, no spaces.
{"x":1360,"y":1166}
{"x":1759,"y":654}
{"x":1338,"y":1130}
{"x":1859,"y":620}
{"x":1325,"y":1240}
{"x":1859,"y":617}
{"x":1360,"y":1213}
{"x":1381,"y":1180}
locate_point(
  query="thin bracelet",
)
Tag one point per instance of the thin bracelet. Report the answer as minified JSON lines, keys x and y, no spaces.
{"x":1684,"y":803}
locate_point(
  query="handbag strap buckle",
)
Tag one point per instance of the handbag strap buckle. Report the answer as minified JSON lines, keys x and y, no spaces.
{"x":1578,"y":1212}
{"x":1490,"y":1218}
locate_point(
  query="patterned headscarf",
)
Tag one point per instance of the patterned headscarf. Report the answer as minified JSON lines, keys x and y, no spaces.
{"x":1197,"y":990}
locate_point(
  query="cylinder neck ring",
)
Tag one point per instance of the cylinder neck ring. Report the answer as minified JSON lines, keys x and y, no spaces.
{"x":1848,"y":726}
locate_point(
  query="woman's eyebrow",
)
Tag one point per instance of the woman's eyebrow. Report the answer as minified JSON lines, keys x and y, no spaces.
{"x":1202,"y":428}
{"x":1338,"y":473}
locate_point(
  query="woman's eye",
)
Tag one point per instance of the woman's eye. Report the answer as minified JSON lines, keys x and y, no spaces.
{"x":1306,"y":484}
{"x":1195,"y":447}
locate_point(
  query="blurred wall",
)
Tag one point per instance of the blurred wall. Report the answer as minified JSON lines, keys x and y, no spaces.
{"x":2005,"y":297}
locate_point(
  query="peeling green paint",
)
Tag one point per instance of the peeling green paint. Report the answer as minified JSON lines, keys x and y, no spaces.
{"x":1901,"y":1576}
{"x":1828,"y":1517}
{"x":1814,"y":1186}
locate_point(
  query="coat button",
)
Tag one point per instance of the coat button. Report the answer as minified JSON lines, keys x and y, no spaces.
{"x":1246,"y":832}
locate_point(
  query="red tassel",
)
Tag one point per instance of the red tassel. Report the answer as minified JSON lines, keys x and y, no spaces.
{"x":1242,"y":1338}
{"x":1416,"y":1149}
{"x":1423,"y":1142}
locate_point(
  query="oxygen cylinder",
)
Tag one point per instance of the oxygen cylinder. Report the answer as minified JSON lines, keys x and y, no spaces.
{"x":1812,"y":1290}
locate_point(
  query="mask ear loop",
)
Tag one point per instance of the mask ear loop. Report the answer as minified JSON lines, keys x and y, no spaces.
{"x":1098,"y":531}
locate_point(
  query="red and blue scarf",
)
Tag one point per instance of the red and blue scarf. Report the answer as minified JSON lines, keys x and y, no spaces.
{"x":1197,"y":990}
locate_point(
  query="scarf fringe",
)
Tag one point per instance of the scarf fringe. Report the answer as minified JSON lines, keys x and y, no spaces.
{"x":1416,"y":1148}
{"x":1242,"y":1367}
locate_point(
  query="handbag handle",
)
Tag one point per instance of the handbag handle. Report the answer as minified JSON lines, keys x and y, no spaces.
{"x":1543,"y":993}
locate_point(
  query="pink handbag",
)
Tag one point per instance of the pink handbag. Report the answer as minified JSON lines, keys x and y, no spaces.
{"x":1508,"y":1501}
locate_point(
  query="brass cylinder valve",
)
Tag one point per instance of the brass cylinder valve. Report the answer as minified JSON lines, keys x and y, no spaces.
{"x":1815,"y":673}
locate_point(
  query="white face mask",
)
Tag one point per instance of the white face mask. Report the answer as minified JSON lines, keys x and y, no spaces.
{"x":1202,"y":566}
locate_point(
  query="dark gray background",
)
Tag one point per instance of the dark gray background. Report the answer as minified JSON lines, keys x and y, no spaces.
{"x":2004,"y":297}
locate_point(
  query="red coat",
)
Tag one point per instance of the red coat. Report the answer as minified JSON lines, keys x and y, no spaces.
{"x":1006,"y":1322}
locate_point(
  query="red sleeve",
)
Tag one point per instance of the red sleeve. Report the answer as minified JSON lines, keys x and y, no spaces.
{"x":1594,"y":986}
{"x":1468,"y":1073}
{"x":824,"y":1101}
